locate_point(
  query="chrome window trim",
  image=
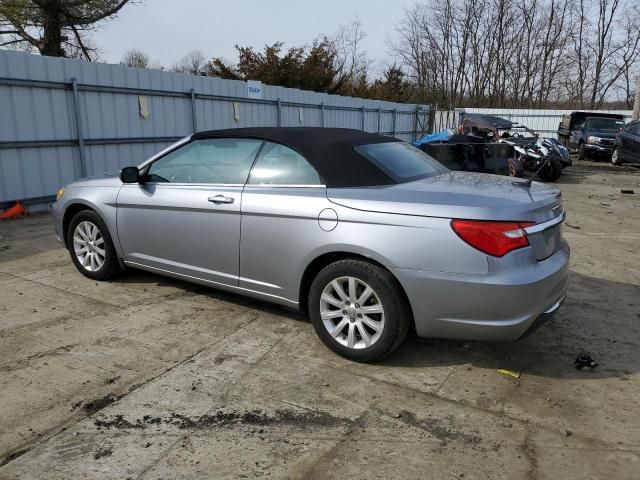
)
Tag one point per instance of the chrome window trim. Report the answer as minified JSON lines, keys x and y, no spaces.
{"x":214,"y":185}
{"x":162,"y":153}
{"x":283,"y":185}
{"x":225,"y":185}
{"x":541,"y":227}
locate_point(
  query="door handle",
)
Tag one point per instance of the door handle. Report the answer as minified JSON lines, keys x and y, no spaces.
{"x":219,"y":199}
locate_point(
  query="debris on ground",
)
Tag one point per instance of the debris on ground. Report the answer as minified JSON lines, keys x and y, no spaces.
{"x":577,"y":227}
{"x":584,"y":362}
{"x":100,"y":403}
{"x":102,"y":452}
{"x":511,"y":373}
{"x":627,"y":191}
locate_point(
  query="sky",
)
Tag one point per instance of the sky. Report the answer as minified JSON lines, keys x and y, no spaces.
{"x":166,"y":29}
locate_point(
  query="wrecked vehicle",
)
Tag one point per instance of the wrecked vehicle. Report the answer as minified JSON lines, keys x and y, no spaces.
{"x":530,"y":152}
{"x":468,"y":153}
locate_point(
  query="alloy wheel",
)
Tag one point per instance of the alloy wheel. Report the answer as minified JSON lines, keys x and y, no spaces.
{"x":88,"y":246}
{"x":352,"y":312}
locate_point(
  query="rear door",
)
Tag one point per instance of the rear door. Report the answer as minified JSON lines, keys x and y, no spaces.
{"x":282,"y":221}
{"x":185,"y":218}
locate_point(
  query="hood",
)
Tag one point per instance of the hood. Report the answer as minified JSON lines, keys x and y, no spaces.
{"x":102,"y":180}
{"x":601,"y":133}
{"x":457,"y":195}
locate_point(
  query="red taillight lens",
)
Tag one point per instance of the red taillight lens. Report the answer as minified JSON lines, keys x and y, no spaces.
{"x":493,"y":238}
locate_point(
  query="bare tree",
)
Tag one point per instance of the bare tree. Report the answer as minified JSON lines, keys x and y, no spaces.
{"x":519,"y":52}
{"x":350,"y":59}
{"x":136,"y":58}
{"x":193,"y":62}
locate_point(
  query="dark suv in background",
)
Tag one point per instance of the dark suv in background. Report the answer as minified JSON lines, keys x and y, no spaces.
{"x":627,"y":144}
{"x":592,"y":134}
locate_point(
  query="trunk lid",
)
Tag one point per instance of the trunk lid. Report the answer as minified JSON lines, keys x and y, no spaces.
{"x":469,"y":196}
{"x":472,"y":196}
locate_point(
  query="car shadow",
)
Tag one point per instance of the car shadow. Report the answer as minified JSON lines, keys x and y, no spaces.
{"x":600,"y":317}
{"x":139,"y":277}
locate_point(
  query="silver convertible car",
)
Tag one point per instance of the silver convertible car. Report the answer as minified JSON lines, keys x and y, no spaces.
{"x":366,"y":233}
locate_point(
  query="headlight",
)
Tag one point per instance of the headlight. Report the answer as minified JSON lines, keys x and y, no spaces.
{"x":59,"y":194}
{"x":593,"y":139}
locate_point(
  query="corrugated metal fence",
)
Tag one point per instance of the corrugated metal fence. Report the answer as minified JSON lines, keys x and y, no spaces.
{"x":544,"y":122}
{"x":63,"y":119}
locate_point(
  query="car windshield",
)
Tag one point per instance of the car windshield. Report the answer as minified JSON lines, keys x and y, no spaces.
{"x":401,"y":161}
{"x":603,"y":124}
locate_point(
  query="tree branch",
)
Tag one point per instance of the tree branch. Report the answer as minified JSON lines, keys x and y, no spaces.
{"x":81,"y":45}
{"x":74,"y":20}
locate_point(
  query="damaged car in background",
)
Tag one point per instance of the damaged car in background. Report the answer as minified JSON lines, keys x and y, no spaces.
{"x":368,"y":234}
{"x":492,"y":144}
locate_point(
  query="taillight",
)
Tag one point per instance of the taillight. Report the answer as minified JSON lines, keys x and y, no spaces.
{"x":493,"y":238}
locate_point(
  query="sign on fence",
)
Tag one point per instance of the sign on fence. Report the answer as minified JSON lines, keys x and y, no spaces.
{"x":254,"y":89}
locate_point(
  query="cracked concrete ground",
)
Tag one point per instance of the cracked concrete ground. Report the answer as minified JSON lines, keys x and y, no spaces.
{"x":147,"y":377}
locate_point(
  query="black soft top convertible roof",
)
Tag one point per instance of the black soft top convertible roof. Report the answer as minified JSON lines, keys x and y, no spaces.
{"x":329,"y":150}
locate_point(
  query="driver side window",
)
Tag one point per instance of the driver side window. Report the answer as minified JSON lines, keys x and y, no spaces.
{"x":219,"y":161}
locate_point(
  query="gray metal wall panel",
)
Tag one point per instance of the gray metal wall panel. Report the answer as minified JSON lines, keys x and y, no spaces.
{"x":39,"y":113}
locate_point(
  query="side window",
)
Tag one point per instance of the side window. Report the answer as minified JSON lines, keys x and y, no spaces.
{"x":280,"y":165}
{"x":219,"y":160}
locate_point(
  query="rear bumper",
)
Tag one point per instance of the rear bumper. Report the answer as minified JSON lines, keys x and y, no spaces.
{"x":494,"y":307}
{"x":543,"y":318}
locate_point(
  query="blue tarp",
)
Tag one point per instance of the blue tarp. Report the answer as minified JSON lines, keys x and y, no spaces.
{"x":441,"y":136}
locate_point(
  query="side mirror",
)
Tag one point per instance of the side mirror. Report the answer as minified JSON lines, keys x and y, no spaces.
{"x":130,"y":175}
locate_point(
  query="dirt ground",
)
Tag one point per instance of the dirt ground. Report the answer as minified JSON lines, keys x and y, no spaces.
{"x":151,"y":378}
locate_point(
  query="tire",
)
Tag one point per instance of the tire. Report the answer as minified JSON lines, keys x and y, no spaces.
{"x":514,"y":167}
{"x":391,"y":325}
{"x":103,"y":266}
{"x":615,"y":157}
{"x":582,"y":152}
{"x":552,"y":171}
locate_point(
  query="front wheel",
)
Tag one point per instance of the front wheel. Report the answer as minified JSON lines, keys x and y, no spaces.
{"x":90,"y":246}
{"x":551,"y":171}
{"x":358,"y":310}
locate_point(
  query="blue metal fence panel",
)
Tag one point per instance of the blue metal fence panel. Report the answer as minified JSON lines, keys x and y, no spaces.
{"x":54,"y":129}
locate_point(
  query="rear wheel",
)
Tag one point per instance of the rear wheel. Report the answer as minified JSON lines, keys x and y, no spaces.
{"x":358,"y":310}
{"x":90,"y":246}
{"x":551,"y":171}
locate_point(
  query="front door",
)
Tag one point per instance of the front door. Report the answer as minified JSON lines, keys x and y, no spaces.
{"x":185,"y":217}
